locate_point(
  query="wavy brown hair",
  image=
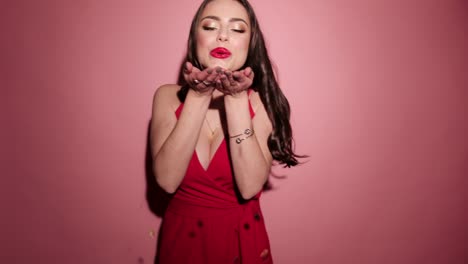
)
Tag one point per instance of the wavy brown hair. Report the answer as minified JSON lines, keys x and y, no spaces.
{"x":280,"y":141}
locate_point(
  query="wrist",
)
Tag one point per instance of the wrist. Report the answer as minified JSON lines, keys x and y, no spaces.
{"x":238,"y":138}
{"x":237,"y":96}
{"x":198,"y":94}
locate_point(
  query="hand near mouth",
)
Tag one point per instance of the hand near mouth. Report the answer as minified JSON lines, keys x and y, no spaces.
{"x":232,"y":83}
{"x":202,"y":82}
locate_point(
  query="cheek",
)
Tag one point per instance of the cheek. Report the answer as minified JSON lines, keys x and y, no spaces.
{"x":200,"y":46}
{"x":200,"y":42}
{"x":203,"y":40}
{"x":243,"y":46}
{"x":246,"y":45}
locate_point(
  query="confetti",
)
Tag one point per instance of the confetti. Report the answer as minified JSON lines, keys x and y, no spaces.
{"x":151,"y":233}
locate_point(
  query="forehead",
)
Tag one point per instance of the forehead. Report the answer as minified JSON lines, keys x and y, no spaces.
{"x":225,"y":10}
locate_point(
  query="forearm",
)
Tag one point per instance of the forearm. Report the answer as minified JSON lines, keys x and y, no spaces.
{"x":170,"y":163}
{"x":250,"y":167}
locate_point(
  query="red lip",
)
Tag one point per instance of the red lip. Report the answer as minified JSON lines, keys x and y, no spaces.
{"x":220,"y":53}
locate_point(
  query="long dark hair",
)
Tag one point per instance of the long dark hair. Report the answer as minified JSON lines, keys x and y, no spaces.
{"x":280,"y":141}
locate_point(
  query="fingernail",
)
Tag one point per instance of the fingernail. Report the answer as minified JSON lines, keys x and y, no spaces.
{"x":218,"y":69}
{"x":209,"y":71}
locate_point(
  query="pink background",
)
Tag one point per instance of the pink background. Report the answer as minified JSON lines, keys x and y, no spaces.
{"x":378,"y":90}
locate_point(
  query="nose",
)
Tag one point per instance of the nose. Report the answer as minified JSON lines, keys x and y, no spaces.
{"x":223,"y":35}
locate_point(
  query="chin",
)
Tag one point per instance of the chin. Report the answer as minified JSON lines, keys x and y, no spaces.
{"x":219,"y":64}
{"x":222,"y":64}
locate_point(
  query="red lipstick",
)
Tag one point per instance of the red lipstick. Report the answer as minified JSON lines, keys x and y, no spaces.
{"x":220,"y":53}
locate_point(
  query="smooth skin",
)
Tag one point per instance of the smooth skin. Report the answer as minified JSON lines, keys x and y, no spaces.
{"x":217,"y":102}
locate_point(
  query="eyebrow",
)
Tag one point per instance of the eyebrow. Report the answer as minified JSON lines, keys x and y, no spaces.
{"x":234,"y":19}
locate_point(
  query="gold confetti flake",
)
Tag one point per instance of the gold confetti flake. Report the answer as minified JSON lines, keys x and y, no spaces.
{"x":151,"y":233}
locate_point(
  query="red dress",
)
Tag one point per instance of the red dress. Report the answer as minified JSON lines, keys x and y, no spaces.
{"x":205,"y":222}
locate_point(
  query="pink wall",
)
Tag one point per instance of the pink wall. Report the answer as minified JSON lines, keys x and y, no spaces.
{"x":378,"y":92}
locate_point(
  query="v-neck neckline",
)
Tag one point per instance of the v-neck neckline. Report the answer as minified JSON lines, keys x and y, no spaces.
{"x":223,"y":141}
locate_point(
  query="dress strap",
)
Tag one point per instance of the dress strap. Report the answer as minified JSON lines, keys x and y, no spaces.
{"x":179,"y":110}
{"x":252,"y":113}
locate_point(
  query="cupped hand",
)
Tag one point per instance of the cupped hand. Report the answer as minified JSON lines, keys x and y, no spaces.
{"x":234,"y":82}
{"x":203,"y":82}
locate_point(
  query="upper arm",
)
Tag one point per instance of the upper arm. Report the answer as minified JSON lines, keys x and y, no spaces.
{"x":262,"y":126}
{"x":163,"y":119}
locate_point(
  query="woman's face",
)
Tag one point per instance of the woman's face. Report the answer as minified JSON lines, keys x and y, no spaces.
{"x":223,"y":35}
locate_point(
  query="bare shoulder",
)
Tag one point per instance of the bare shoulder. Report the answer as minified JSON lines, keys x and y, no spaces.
{"x":167,"y":95}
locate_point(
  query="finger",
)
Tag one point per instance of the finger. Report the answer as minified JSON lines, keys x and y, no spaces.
{"x":218,"y":72}
{"x":225,"y":82}
{"x":186,"y":72}
{"x":211,"y":78}
{"x":195,"y":69}
{"x":192,"y":79}
{"x":219,"y":85}
{"x":247,"y":71}
{"x":206,"y":79}
{"x":190,"y":74}
{"x":188,"y":67}
{"x":238,"y":76}
{"x":232,"y":82}
{"x":251,"y":75}
{"x":202,"y":75}
{"x":201,"y":87}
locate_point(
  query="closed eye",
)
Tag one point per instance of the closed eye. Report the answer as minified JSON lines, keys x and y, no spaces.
{"x":238,"y":30}
{"x":208,"y":28}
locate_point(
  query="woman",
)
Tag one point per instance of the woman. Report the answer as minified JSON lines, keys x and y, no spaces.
{"x":214,"y":140}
